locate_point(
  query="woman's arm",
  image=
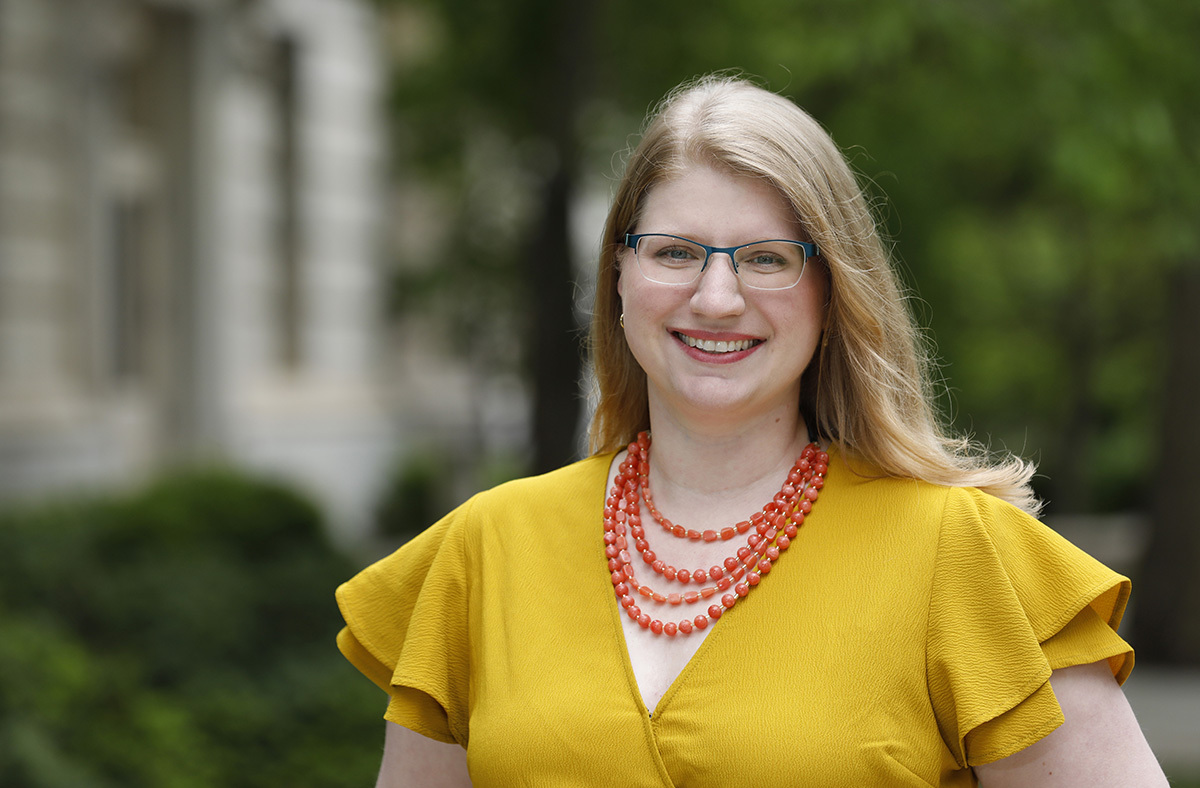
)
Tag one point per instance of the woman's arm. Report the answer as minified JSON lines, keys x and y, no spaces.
{"x":410,"y":759}
{"x":1100,"y":744}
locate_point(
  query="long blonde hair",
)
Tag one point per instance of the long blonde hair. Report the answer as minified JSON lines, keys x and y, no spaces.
{"x":870,"y":386}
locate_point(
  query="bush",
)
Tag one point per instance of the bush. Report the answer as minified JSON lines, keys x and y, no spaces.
{"x":179,"y":637}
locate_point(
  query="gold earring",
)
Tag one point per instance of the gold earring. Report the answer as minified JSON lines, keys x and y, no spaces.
{"x":622,"y":320}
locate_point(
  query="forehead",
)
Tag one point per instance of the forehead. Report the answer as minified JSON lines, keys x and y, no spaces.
{"x":719,"y":207}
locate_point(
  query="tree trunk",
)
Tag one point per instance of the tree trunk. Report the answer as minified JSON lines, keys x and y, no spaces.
{"x":1168,"y":589}
{"x":556,"y":361}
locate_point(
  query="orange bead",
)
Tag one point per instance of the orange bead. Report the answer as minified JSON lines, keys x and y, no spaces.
{"x":775,"y":527}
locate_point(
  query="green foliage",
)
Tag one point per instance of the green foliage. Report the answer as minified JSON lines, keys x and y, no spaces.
{"x":417,"y":495}
{"x":179,"y":637}
{"x":1040,"y":165}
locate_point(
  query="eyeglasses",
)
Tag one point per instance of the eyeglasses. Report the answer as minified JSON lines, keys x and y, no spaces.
{"x":762,"y":265}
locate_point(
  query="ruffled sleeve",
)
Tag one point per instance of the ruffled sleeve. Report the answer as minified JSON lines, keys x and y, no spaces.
{"x":1011,"y":601}
{"x":407,"y":629}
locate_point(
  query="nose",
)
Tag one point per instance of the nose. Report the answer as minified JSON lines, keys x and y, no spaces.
{"x":719,"y":289}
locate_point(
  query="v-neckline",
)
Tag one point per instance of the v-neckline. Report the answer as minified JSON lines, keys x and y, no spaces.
{"x":618,"y":617}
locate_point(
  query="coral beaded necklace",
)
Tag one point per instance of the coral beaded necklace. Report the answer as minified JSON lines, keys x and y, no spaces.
{"x":772,"y":530}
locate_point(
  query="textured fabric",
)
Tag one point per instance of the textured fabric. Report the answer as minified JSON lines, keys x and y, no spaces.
{"x":907,"y":634}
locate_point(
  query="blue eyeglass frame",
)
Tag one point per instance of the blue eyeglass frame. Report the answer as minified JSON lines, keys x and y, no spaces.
{"x":810,"y":249}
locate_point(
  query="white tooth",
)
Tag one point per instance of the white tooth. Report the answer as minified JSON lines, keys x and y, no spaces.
{"x":713,"y":346}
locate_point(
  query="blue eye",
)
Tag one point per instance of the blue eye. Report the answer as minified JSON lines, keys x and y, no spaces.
{"x":677,"y":254}
{"x":772,"y":258}
{"x":765,"y":261}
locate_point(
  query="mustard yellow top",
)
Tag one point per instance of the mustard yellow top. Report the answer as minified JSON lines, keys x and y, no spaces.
{"x":907,"y":634}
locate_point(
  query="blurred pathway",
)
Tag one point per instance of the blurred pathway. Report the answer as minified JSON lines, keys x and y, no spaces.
{"x":1167,"y":704}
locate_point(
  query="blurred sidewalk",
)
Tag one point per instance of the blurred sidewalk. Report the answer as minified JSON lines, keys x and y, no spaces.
{"x":1167,"y":704}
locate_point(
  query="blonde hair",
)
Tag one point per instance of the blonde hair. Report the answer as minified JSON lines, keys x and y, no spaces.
{"x":870,"y":386}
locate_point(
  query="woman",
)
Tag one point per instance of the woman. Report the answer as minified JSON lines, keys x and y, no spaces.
{"x":813,"y":584}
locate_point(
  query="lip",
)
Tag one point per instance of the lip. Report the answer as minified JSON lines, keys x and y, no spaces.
{"x":716,"y":336}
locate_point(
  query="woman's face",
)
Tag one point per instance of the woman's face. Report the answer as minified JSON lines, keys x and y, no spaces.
{"x":765,"y":338}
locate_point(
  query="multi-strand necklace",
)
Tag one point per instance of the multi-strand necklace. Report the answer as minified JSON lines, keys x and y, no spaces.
{"x":771,"y":531}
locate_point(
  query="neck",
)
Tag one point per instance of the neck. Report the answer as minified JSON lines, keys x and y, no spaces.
{"x":719,"y":471}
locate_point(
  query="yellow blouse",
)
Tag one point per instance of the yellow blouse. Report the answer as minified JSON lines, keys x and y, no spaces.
{"x":907,"y":634}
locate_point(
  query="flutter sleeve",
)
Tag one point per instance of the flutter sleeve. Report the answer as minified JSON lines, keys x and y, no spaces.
{"x":407,"y":629}
{"x":1011,"y":601}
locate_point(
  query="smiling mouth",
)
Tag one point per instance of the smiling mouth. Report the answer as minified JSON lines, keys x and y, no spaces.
{"x":715,"y":346}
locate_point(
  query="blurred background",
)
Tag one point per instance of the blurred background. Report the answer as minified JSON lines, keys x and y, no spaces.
{"x":281,"y":281}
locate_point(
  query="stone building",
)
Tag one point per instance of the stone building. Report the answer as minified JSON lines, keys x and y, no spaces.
{"x":190,"y":215}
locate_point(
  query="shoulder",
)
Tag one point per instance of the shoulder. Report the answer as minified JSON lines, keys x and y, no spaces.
{"x":921,"y":505}
{"x":572,"y":483}
{"x":571,"y":494}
